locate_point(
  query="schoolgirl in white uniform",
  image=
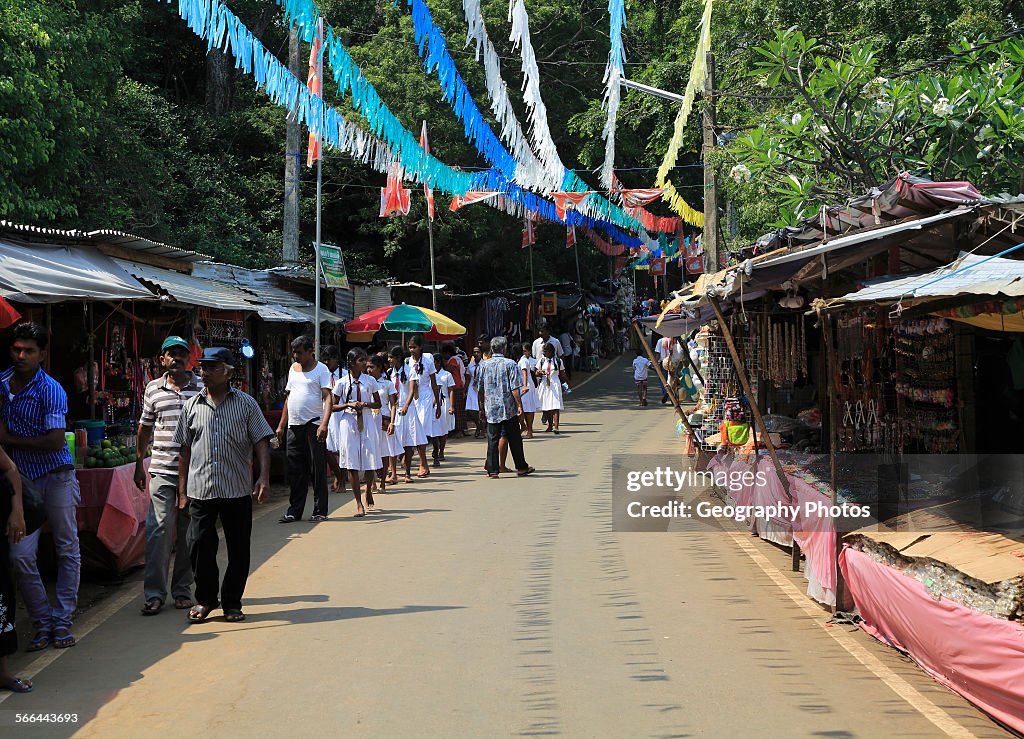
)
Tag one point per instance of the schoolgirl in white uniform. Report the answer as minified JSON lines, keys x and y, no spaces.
{"x":426,"y":401}
{"x":549,"y":385}
{"x":528,"y":394}
{"x":355,"y":398}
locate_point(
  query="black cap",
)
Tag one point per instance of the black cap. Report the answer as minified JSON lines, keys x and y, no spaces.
{"x":218,"y":354}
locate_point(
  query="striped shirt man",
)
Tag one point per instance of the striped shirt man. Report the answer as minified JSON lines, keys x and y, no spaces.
{"x":162,"y":404}
{"x":38,"y":408}
{"x":221,"y":439}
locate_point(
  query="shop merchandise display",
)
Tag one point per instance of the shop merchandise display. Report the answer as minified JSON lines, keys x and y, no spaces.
{"x":925,"y":385}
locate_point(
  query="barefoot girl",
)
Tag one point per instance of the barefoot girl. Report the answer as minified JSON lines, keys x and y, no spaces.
{"x":355,"y":397}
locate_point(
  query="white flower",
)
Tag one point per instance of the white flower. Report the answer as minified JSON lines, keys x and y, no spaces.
{"x":740,"y":173}
{"x":942,"y":108}
{"x":797,"y":119}
{"x":823,"y":130}
{"x":883,"y":106}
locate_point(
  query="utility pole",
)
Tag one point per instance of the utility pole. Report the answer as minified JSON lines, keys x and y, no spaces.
{"x":292,"y":153}
{"x":710,"y":191}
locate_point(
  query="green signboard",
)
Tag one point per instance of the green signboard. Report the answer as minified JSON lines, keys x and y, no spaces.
{"x":333,"y":265}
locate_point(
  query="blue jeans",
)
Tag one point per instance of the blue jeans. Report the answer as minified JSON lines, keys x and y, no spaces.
{"x":61,"y":496}
{"x":165,"y":524}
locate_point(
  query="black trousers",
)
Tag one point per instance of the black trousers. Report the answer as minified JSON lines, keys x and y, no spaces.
{"x":235,"y":516}
{"x":513,"y":436}
{"x":306,"y":458}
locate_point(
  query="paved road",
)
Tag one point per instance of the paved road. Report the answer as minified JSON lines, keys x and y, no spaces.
{"x":474,"y":607}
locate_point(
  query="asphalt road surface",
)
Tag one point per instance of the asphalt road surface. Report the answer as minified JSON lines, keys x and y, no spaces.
{"x":472,"y":607}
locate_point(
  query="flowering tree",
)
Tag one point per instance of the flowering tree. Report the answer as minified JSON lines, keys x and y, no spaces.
{"x":849,"y":128}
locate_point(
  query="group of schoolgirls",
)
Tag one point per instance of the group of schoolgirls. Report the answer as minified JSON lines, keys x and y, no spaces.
{"x":383,"y":413}
{"x":541,"y":389}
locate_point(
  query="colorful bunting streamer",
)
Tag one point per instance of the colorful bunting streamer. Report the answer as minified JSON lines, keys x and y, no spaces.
{"x":695,"y":84}
{"x":315,"y":85}
{"x":394,"y":198}
{"x":603,"y":246}
{"x":613,"y":75}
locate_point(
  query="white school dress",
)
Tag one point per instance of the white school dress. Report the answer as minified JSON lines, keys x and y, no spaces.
{"x":358,"y":442}
{"x":420,"y":372}
{"x":446,"y":383}
{"x":529,"y":391}
{"x":549,"y":384}
{"x":408,"y":432}
{"x":335,"y":422}
{"x":388,"y":443}
{"x":472,"y":400}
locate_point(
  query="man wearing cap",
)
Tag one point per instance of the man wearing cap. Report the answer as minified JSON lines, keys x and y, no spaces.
{"x":161,"y":407}
{"x":218,"y":430}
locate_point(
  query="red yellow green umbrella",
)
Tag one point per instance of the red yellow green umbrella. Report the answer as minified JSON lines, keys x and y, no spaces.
{"x":409,"y":319}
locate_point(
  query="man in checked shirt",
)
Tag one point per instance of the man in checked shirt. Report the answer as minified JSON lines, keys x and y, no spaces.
{"x":218,"y":430}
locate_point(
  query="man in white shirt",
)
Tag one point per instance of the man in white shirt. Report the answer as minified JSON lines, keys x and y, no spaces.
{"x":305,"y":416}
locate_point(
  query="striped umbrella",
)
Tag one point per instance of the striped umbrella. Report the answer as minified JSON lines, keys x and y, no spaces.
{"x":406,"y":318}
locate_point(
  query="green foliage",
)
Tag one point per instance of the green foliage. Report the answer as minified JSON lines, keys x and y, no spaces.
{"x":849,"y":128}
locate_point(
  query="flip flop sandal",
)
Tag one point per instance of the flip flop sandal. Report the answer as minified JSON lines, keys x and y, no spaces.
{"x":182,"y":603}
{"x":17,"y":685}
{"x":234,"y":615}
{"x":40,"y":641}
{"x":63,"y":638}
{"x":524,"y":473}
{"x":152,"y":607}
{"x":198,"y":614}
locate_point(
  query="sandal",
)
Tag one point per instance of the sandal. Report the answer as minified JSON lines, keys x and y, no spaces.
{"x":197,"y":614}
{"x":152,"y":607}
{"x":17,"y":685}
{"x":524,"y":473}
{"x":63,"y":638}
{"x":182,"y":602}
{"x":40,"y":641}
{"x":423,"y":473}
{"x":234,"y":615}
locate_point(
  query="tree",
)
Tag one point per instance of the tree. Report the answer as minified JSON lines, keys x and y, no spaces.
{"x":850,"y":128}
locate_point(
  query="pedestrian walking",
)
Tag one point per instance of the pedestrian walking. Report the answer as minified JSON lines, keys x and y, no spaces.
{"x":166,"y":524}
{"x":33,"y":425}
{"x":500,"y":384}
{"x":528,"y":366}
{"x":12,"y":517}
{"x":407,"y":428}
{"x":426,"y":394}
{"x":445,"y":386}
{"x":454,"y":364}
{"x":217,"y":433}
{"x":304,"y":418}
{"x":388,"y":445}
{"x":355,"y":397}
{"x":331,"y":358}
{"x":473,"y":393}
{"x":641,"y":369}
{"x":538,"y":352}
{"x":549,"y":386}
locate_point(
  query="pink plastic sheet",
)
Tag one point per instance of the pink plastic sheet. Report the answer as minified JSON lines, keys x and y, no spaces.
{"x":115,"y":509}
{"x":815,"y":533}
{"x":979,"y":657}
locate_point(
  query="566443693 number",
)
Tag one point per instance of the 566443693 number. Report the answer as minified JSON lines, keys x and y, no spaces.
{"x":46,"y":718}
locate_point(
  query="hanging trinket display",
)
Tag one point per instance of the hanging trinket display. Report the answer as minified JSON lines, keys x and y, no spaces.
{"x":926,"y":386}
{"x":721,"y":384}
{"x":784,"y":353}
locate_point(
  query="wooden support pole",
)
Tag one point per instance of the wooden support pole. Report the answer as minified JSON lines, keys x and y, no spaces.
{"x":758,"y":418}
{"x":664,"y":382}
{"x":833,"y":445}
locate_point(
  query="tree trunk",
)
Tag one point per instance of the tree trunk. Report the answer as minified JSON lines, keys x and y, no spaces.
{"x":219,"y":79}
{"x":293,"y":148}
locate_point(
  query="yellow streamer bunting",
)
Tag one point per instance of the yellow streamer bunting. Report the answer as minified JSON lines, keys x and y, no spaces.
{"x":695,"y":84}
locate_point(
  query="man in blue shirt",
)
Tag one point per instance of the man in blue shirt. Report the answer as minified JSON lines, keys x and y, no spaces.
{"x":501,"y":405}
{"x":32,"y":425}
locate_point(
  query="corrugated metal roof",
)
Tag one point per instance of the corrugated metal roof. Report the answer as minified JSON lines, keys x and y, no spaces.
{"x":366,"y":298}
{"x":326,"y":316}
{"x":191,"y":290}
{"x":53,"y":233}
{"x":970,"y":274}
{"x":280,"y":314}
{"x":260,"y":282}
{"x":145,"y":246}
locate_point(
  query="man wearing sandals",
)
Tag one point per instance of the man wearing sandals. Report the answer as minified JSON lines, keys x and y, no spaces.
{"x":161,"y":408}
{"x":502,"y":406}
{"x":218,"y":430}
{"x":32,"y":431}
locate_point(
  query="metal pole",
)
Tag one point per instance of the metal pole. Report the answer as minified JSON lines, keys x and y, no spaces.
{"x":316,"y":275}
{"x":833,"y":445}
{"x":90,"y":375}
{"x":433,"y":277}
{"x":579,"y":280}
{"x":533,"y":302}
